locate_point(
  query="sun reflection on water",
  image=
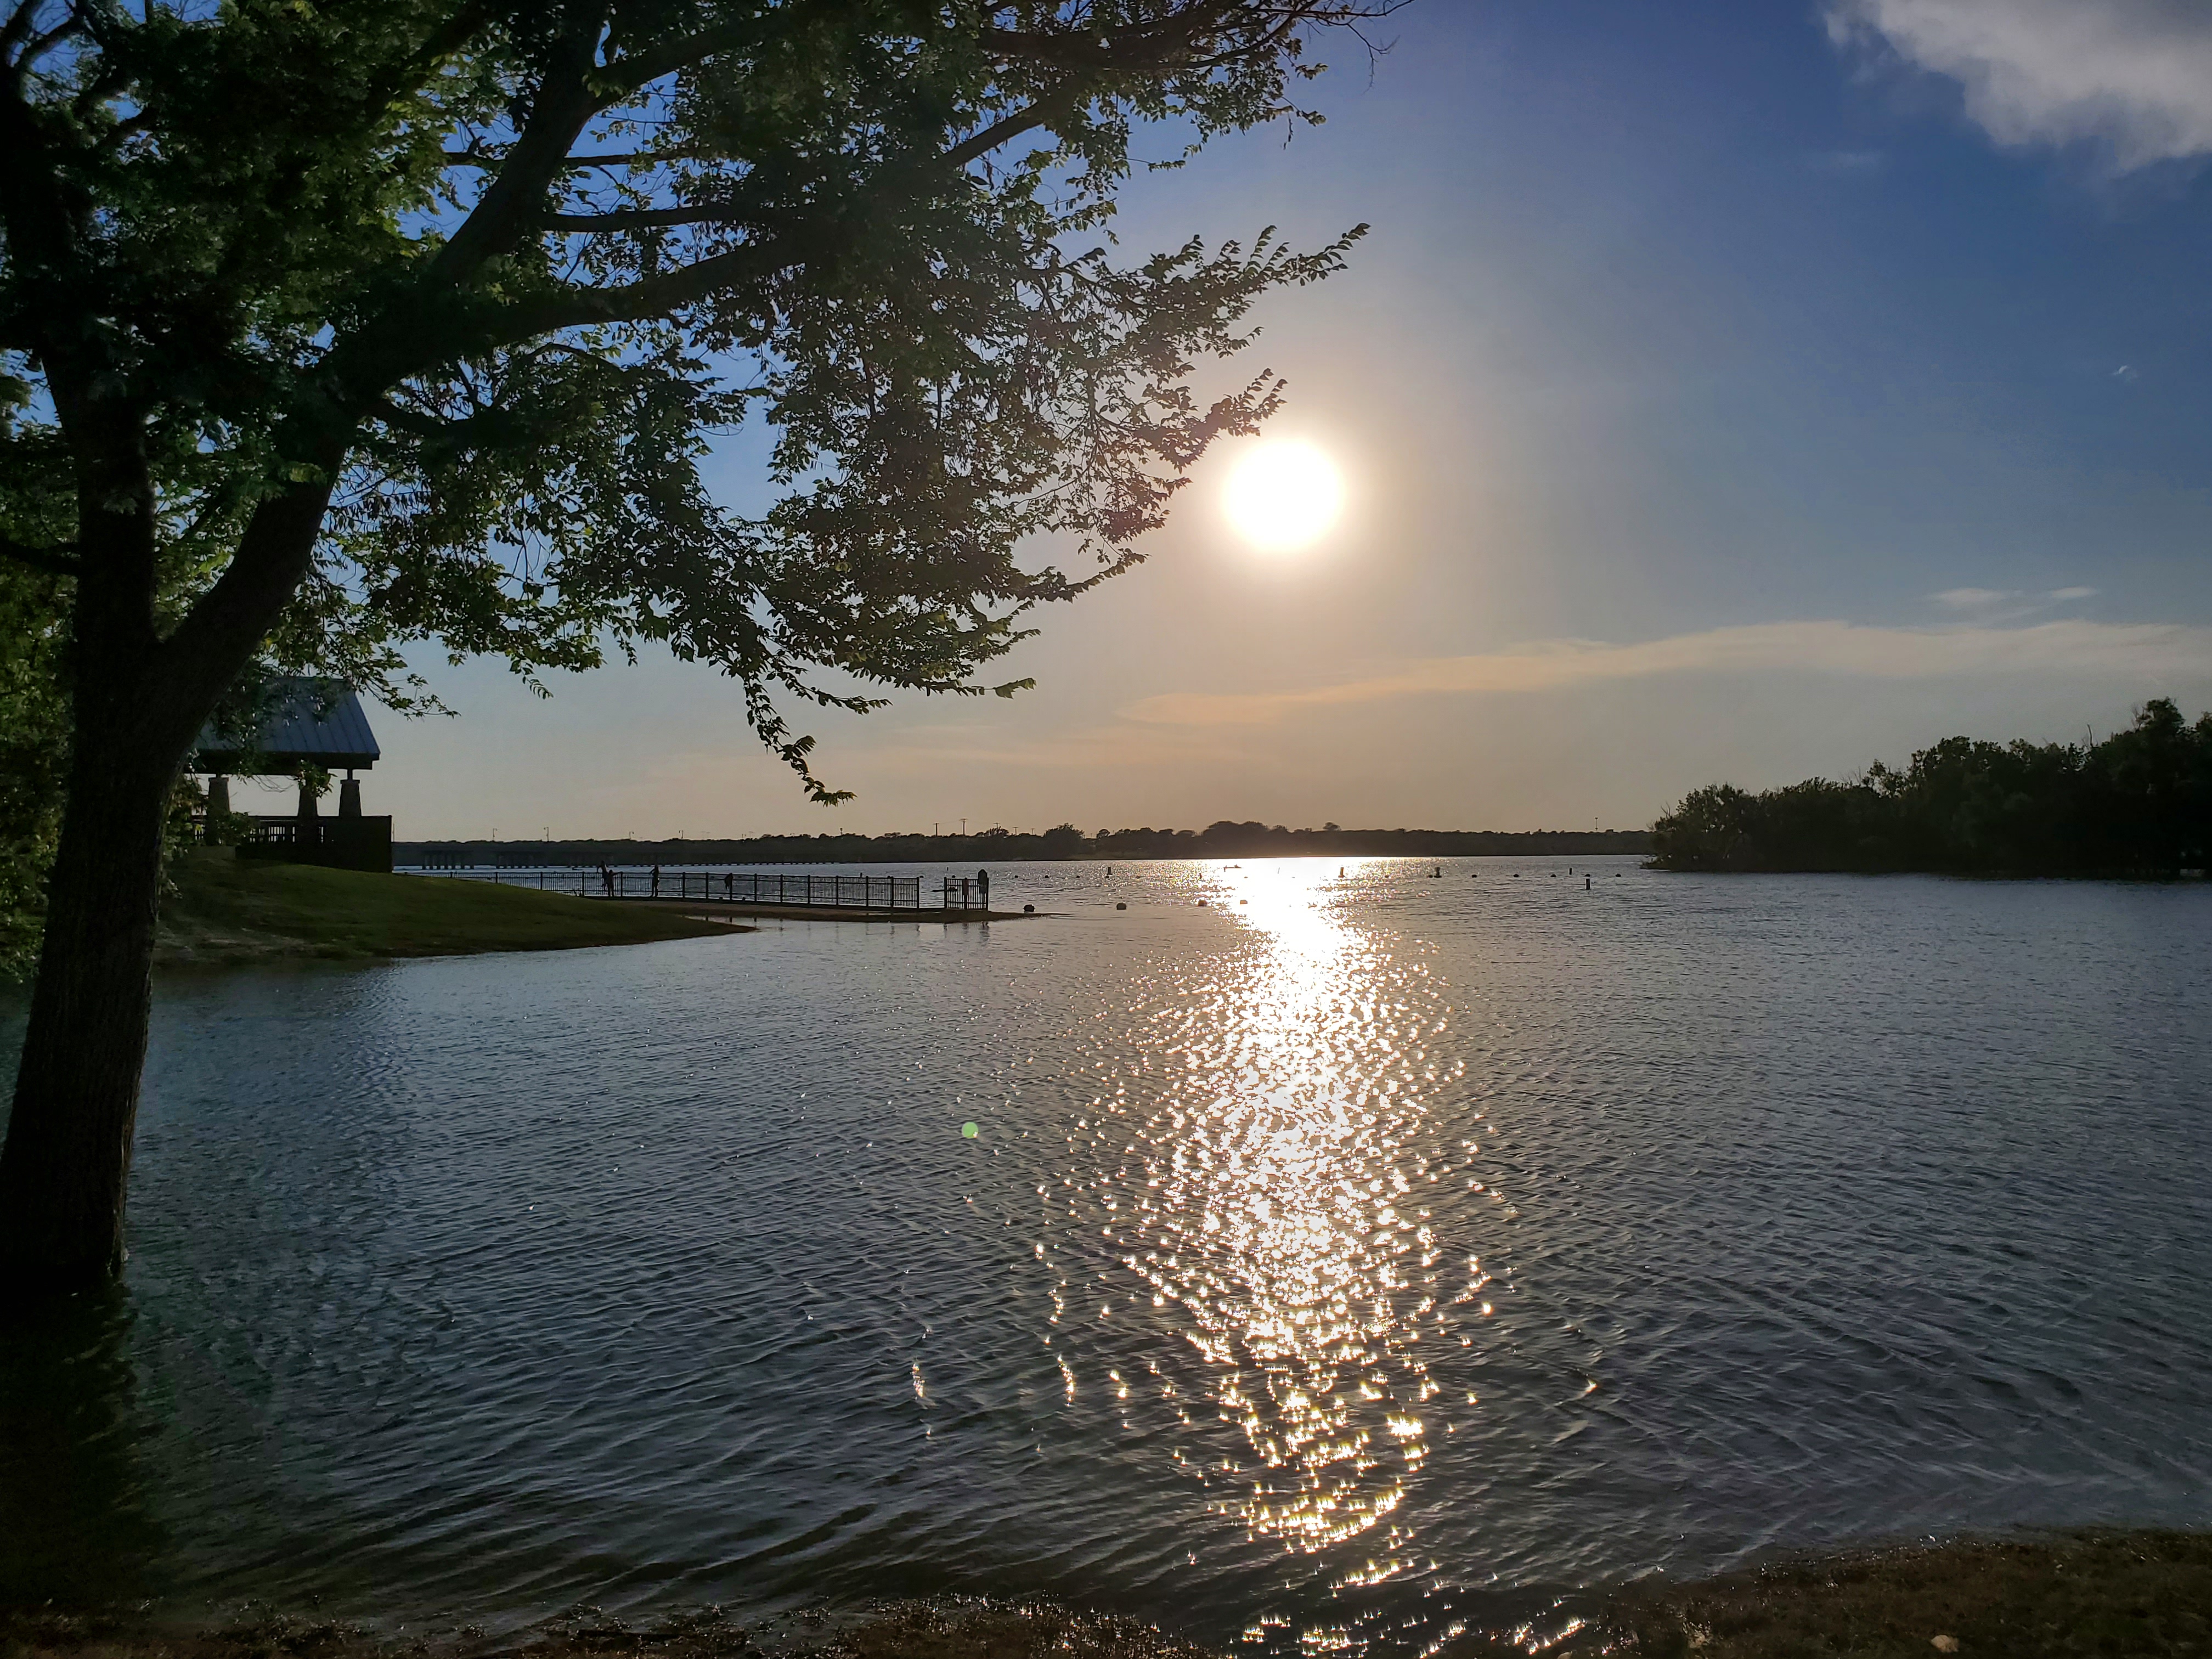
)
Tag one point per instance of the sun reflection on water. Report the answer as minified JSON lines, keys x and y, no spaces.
{"x":1276,"y":1202}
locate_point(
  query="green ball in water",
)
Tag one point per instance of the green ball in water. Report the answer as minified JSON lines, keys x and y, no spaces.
{"x":970,"y":1130}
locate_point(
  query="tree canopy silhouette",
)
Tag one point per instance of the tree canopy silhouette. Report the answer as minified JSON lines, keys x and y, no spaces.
{"x":2137,"y":804}
{"x":328,"y":327}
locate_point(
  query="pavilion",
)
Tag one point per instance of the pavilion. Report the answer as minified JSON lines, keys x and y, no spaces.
{"x":304,"y":722}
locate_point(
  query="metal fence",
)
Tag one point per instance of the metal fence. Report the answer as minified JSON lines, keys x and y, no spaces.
{"x":824,"y":892}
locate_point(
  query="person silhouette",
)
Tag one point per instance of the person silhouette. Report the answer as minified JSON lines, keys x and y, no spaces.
{"x":983,"y":887}
{"x":656,"y":881}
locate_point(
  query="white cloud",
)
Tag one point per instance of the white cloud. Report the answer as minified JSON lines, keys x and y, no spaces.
{"x":2141,"y":653}
{"x":1991,"y":606}
{"x":2132,"y":76}
{"x":1971,"y":598}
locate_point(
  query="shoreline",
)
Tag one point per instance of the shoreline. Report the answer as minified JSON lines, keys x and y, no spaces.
{"x":2030,"y":1595}
{"x":229,"y":912}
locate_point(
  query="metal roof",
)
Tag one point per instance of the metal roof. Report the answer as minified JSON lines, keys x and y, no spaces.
{"x":307,"y":722}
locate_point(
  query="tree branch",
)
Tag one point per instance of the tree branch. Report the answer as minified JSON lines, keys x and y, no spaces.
{"x":19,"y":23}
{"x":976,"y":145}
{"x":477,"y":158}
{"x":195,"y":664}
{"x":642,"y":158}
{"x":1142,"y":46}
{"x":129,"y":127}
{"x":1058,"y":102}
{"x":39,"y":45}
{"x":647,"y":67}
{"x":589,"y":224}
{"x":582,"y":308}
{"x":55,"y":561}
{"x":42,"y":227}
{"x":509,"y":206}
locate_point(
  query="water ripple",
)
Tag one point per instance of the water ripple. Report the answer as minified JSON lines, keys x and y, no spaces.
{"x":1333,"y":1263}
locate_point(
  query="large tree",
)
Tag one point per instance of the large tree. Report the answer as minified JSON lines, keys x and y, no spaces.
{"x":330,"y":323}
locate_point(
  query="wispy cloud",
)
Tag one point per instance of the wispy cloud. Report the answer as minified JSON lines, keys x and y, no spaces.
{"x":1973,"y":598}
{"x":921,"y":750}
{"x":2132,"y":76}
{"x":1990,"y":605}
{"x":2142,"y":653}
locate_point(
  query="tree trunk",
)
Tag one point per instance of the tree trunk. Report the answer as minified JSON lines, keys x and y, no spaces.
{"x":68,"y":1151}
{"x":138,"y":702}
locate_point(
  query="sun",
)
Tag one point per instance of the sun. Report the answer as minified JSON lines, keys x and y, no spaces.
{"x":1283,"y":494}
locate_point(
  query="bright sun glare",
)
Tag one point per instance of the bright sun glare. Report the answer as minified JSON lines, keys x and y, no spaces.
{"x":1283,"y":494}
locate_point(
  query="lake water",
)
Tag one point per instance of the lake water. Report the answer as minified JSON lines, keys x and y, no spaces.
{"x":1344,"y":1262}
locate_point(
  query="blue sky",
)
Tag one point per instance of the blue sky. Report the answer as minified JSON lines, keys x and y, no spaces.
{"x":1726,"y":390}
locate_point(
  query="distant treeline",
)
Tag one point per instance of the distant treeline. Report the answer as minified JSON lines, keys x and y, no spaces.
{"x":1222,"y":840}
{"x":2138,"y":804}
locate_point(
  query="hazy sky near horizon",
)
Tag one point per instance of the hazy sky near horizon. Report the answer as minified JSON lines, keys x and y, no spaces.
{"x":1741,"y":389}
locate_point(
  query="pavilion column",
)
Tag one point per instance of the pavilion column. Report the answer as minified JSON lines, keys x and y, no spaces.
{"x":310,"y":832}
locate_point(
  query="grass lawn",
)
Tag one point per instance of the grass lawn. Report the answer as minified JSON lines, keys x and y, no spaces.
{"x":226,"y":909}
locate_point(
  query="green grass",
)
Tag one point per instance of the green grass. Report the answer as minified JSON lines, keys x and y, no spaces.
{"x":226,"y":909}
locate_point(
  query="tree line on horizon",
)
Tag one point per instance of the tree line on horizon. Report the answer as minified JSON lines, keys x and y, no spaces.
{"x":1223,"y":839}
{"x":2137,"y":804}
